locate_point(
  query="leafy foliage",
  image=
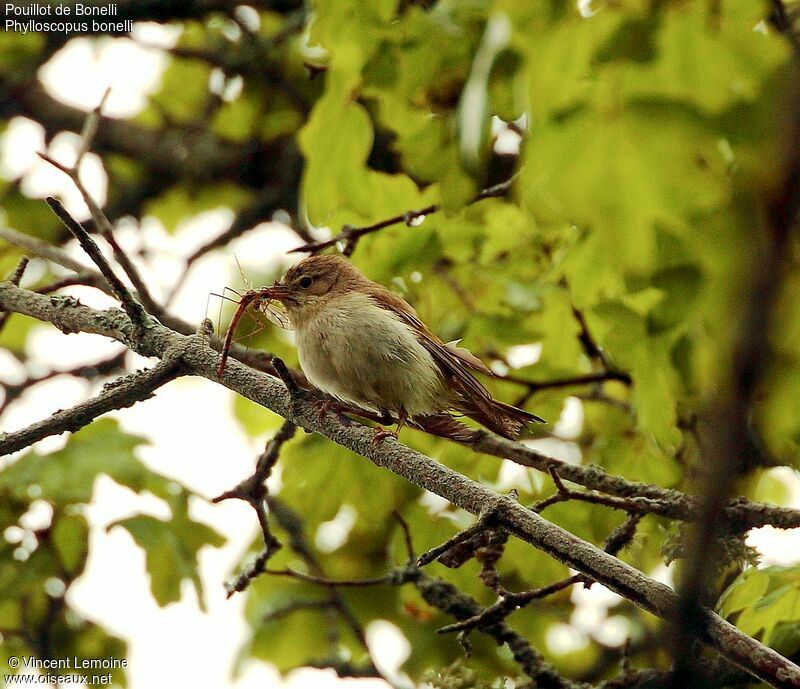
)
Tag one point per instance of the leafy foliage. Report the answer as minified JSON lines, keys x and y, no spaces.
{"x":37,"y":572}
{"x":766,"y":603}
{"x":646,"y":139}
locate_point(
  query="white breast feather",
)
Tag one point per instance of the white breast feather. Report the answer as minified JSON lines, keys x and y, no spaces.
{"x":365,"y":355}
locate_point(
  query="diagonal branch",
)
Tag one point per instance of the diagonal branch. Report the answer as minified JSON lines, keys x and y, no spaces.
{"x":132,"y":307}
{"x":254,"y":491}
{"x":419,"y":469}
{"x":104,"y":367}
{"x":124,"y":392}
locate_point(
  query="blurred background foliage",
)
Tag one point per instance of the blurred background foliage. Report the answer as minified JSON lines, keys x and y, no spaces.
{"x":645,"y":138}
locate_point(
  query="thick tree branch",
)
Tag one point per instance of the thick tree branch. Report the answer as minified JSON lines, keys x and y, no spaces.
{"x":419,"y":469}
{"x":740,"y":514}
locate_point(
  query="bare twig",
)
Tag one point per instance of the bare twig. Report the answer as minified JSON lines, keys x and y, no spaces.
{"x":253,"y":490}
{"x":634,"y":503}
{"x":15,"y":278}
{"x":131,"y":305}
{"x":11,"y":391}
{"x":291,"y":522}
{"x":324,"y":581}
{"x":451,"y":601}
{"x":40,"y":248}
{"x":510,"y":602}
{"x":90,"y":129}
{"x":105,"y":228}
{"x":350,"y":235}
{"x":406,"y":535}
{"x":258,"y":360}
{"x":88,"y":279}
{"x":570,"y":381}
{"x":740,"y":514}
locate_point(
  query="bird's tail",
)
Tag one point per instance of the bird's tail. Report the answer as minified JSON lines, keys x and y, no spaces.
{"x":501,"y":418}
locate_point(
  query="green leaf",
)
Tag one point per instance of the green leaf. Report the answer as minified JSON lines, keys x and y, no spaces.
{"x":67,"y":476}
{"x":764,"y":599}
{"x":184,"y":89}
{"x":335,"y":477}
{"x":172,"y":549}
{"x":28,"y":215}
{"x":621,"y":332}
{"x":708,"y":57}
{"x":15,"y":335}
{"x":648,"y":164}
{"x":70,"y":538}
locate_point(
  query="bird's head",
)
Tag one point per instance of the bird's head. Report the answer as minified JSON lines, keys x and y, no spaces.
{"x":313,"y":282}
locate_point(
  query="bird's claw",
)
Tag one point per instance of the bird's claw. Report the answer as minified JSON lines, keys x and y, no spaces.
{"x":379,"y":434}
{"x":324,"y":405}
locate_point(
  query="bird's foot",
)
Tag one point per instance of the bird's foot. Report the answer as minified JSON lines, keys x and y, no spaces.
{"x":324,"y":405}
{"x":379,"y":434}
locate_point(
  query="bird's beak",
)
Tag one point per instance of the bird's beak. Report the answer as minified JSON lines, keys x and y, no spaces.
{"x":278,"y":291}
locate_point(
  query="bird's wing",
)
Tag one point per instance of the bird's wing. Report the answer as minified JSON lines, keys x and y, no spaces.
{"x":454,"y":362}
{"x":467,"y":357}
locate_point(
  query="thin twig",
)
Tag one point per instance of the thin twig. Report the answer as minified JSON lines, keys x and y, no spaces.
{"x":90,"y":129}
{"x":88,"y":279}
{"x":740,"y":514}
{"x":292,"y":523}
{"x":324,"y":581}
{"x":633,"y":503}
{"x":132,"y":307}
{"x":485,"y":521}
{"x":350,"y":235}
{"x":88,"y":372}
{"x":406,"y":535}
{"x":106,"y":230}
{"x":100,"y":219}
{"x":510,"y":602}
{"x":253,"y":490}
{"x":15,"y":278}
{"x":569,"y":381}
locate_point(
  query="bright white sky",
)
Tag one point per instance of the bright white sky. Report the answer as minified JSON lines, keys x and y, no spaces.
{"x":166,"y":644}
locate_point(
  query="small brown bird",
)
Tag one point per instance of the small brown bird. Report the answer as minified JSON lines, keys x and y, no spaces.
{"x":366,"y":347}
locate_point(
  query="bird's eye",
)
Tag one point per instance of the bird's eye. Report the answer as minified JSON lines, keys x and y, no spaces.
{"x":305,"y":282}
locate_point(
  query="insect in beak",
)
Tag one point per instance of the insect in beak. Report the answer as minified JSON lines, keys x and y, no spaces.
{"x":262,"y":300}
{"x":278,"y":292}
